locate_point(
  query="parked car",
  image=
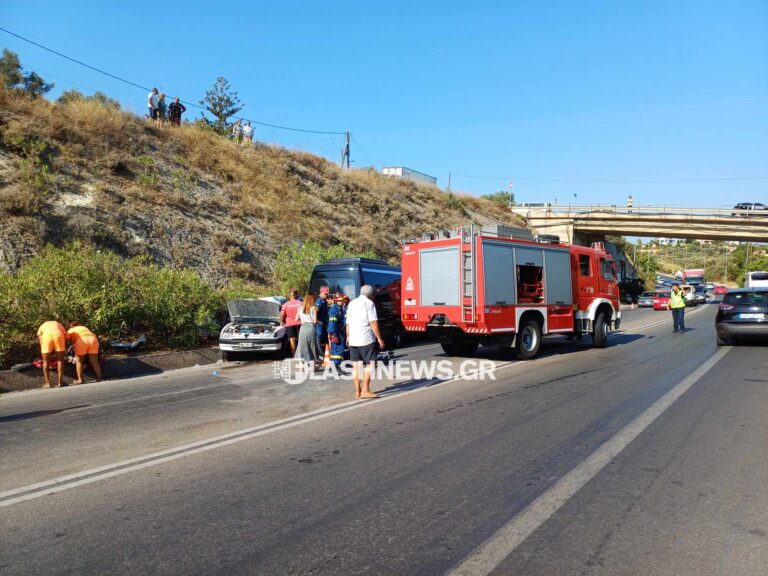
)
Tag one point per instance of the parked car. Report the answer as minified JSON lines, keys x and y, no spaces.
{"x":254,"y":326}
{"x":742,"y":313}
{"x":710,"y":286}
{"x":721,"y":290}
{"x":646,"y":299}
{"x":760,"y":209}
{"x":660,"y":300}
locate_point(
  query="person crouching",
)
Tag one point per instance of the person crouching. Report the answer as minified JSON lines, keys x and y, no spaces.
{"x":53,"y":339}
{"x":85,"y":344}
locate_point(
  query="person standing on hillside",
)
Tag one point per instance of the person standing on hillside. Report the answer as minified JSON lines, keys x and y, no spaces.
{"x":86,"y":344}
{"x":162,"y":109}
{"x":152,"y":98}
{"x":362,"y":337}
{"x":288,"y":319}
{"x":247,"y":133}
{"x":175,"y":110}
{"x":53,"y":339}
{"x":676,"y":303}
{"x":237,"y":132}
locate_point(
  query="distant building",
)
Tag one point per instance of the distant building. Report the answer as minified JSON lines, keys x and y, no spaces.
{"x":408,"y":174}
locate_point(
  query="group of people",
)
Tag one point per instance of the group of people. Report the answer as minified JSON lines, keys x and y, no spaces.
{"x":243,"y":133}
{"x":53,"y":339}
{"x":160,"y":111}
{"x":332,"y":320}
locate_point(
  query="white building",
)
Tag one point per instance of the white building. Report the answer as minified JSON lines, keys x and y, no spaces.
{"x":408,"y":174}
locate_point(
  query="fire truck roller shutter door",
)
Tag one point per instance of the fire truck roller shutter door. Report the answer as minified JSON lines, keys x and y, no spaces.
{"x":500,"y":286}
{"x":439,"y":278}
{"x":557,"y":280}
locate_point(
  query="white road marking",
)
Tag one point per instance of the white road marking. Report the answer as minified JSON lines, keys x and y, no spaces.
{"x":488,"y":556}
{"x":61,"y":483}
{"x":37,"y":490}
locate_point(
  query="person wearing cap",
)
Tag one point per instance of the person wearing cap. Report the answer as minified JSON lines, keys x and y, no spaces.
{"x":676,"y":304}
{"x":336,"y":330}
{"x":288,"y":319}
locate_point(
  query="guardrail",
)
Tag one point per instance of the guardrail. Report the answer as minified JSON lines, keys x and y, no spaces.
{"x":650,"y":210}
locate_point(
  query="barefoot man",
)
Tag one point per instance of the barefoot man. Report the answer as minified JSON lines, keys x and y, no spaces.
{"x":53,"y":339}
{"x":363,"y":335}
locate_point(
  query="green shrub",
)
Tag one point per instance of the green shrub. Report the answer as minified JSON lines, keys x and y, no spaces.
{"x":104,"y":292}
{"x":294,"y":263}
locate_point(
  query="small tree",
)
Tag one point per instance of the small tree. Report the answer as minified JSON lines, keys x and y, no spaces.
{"x":13,"y":77}
{"x":77,"y":96}
{"x":221,"y":102}
{"x":503,"y":197}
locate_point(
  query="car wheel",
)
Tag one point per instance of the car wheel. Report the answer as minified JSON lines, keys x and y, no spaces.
{"x":227,"y":356}
{"x":721,"y":341}
{"x":459,"y":348}
{"x":528,"y":340}
{"x":600,"y":331}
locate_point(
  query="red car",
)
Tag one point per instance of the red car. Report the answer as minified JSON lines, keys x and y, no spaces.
{"x":721,"y":289}
{"x":660,"y":300}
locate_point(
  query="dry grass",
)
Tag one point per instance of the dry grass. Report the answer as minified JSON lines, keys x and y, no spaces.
{"x":188,"y":197}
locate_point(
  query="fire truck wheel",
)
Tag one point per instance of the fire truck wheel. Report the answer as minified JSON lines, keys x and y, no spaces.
{"x":528,"y":340}
{"x":600,"y":331}
{"x":459,"y":348}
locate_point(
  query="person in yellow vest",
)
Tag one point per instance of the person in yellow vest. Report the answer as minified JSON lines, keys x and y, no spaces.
{"x":53,"y":339}
{"x":85,"y":344}
{"x":676,"y":303}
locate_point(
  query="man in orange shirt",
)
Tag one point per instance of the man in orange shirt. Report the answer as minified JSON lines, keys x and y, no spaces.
{"x":52,"y":337}
{"x":86,"y":344}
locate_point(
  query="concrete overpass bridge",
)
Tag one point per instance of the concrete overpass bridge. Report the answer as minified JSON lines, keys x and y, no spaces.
{"x":583,"y":224}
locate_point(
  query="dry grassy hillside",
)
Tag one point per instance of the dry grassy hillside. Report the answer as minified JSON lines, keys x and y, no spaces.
{"x":190,"y":198}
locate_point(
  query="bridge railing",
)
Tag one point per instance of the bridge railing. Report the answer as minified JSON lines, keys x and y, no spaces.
{"x":649,"y":210}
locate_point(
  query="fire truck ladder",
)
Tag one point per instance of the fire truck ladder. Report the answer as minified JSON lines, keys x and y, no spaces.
{"x":468,"y":273}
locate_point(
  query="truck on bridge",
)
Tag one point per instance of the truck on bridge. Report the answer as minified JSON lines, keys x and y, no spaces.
{"x":499,"y":285}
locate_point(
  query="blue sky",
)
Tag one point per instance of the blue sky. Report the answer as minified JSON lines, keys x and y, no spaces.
{"x":547,"y":94}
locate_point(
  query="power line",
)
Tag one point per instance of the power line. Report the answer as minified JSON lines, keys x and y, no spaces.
{"x":363,"y":151}
{"x":608,"y":181}
{"x":192,"y":104}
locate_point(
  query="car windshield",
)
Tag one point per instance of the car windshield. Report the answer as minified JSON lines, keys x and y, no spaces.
{"x":662,"y":294}
{"x":648,"y":294}
{"x":746,"y":298}
{"x":344,"y":281}
{"x":759,"y":275}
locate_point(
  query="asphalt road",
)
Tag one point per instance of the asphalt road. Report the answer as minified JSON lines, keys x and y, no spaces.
{"x":648,"y":457}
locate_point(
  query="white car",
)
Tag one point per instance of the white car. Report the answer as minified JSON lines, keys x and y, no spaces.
{"x":254,"y":326}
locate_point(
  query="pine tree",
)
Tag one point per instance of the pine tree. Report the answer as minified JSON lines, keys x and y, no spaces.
{"x":13,"y":77}
{"x":221,"y":102}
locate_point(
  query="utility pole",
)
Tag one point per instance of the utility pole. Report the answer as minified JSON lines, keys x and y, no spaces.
{"x":345,"y":151}
{"x":449,"y":181}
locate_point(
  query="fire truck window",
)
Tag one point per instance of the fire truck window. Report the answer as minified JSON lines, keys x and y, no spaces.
{"x":584,"y":268}
{"x":607,"y":266}
{"x":530,"y":285}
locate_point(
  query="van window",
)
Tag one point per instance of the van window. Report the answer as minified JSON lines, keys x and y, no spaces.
{"x":344,"y":281}
{"x":379,"y":278}
{"x":607,"y":267}
{"x":584,"y":267}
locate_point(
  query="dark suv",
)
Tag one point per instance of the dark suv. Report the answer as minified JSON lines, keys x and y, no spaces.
{"x":761,"y":209}
{"x":743,"y":312}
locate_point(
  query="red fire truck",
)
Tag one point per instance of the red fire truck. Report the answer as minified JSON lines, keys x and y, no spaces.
{"x":499,"y":285}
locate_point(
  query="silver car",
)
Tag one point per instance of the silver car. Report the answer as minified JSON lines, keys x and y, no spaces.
{"x":254,"y":327}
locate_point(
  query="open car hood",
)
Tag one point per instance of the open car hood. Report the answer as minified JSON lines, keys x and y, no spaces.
{"x":254,"y":309}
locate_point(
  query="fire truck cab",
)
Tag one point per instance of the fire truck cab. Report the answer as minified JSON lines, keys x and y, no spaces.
{"x":499,"y":285}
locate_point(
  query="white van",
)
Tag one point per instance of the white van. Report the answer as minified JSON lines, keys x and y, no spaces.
{"x":756,"y":279}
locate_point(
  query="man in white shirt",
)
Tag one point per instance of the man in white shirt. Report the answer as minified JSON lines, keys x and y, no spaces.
{"x":362,"y":337}
{"x":247,"y":133}
{"x":152,"y":101}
